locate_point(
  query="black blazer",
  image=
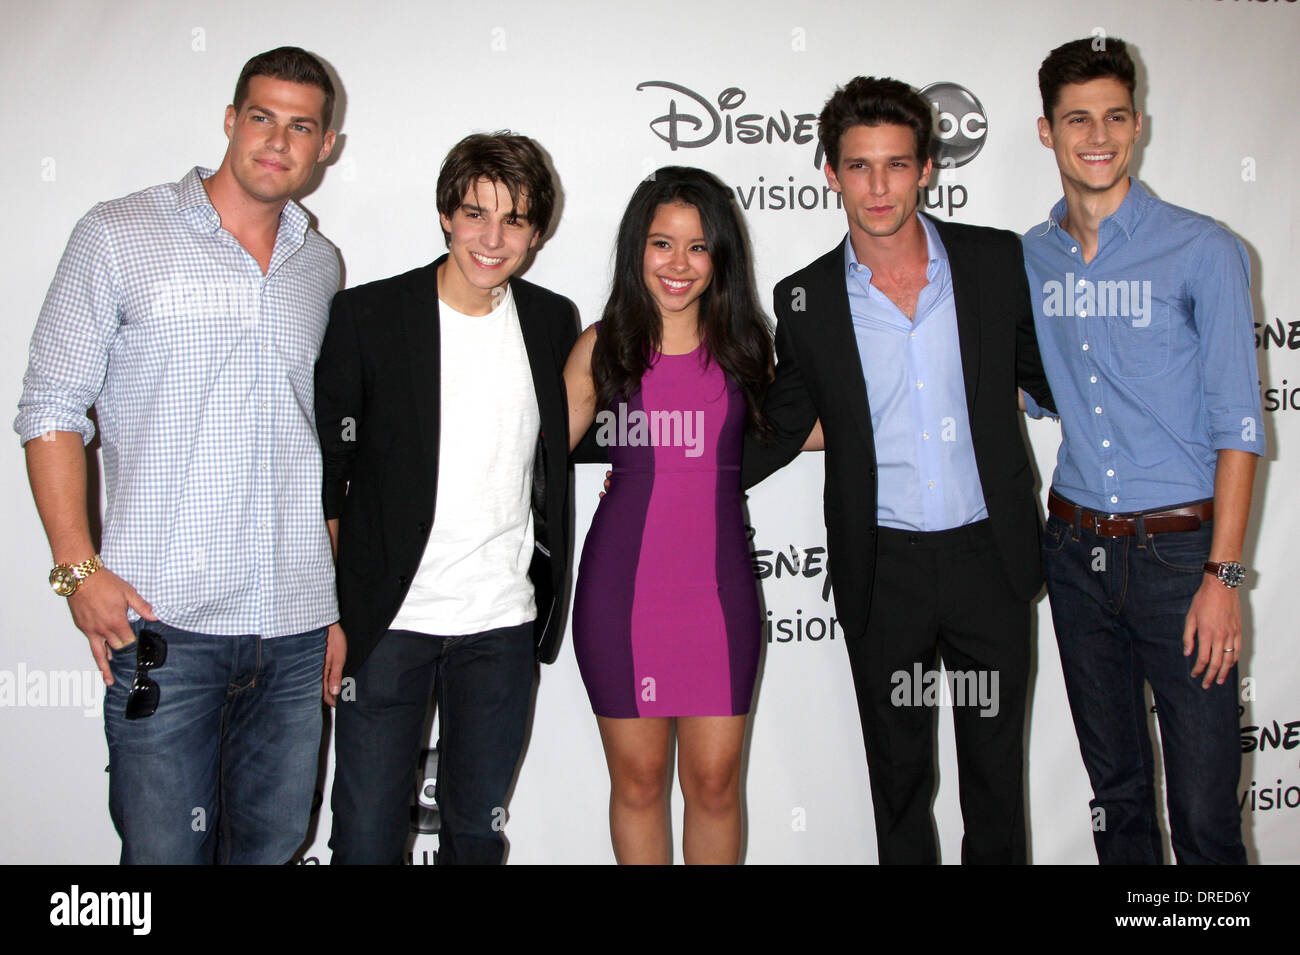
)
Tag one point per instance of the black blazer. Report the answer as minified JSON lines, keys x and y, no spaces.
{"x":819,"y":375}
{"x":377,"y":413}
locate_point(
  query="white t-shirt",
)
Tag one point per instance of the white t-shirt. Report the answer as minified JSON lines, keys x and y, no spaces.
{"x":474,"y":573}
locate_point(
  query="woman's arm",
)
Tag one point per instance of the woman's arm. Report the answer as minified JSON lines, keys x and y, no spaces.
{"x":580,"y":387}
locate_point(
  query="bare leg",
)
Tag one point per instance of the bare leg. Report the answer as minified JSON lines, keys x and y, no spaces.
{"x":637,"y":753}
{"x":708,"y":764}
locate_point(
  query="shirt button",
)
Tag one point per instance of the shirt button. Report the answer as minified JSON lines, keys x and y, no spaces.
{"x":926,"y":435}
{"x":1114,"y":499}
{"x":1085,"y":346}
{"x":931,"y":484}
{"x":911,"y":334}
{"x":1106,"y":443}
{"x":1093,"y":379}
{"x":1083,"y":313}
{"x":1082,"y":282}
{"x":1097,"y":409}
{"x":920,"y":384}
{"x":1074,"y":248}
{"x":1110,"y":472}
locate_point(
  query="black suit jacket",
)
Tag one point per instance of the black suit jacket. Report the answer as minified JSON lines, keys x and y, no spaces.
{"x":819,"y":375}
{"x":377,"y":412}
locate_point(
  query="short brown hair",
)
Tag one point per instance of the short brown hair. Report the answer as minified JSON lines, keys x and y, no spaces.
{"x":294,"y":65}
{"x":514,"y":161}
{"x":1079,"y":61}
{"x":873,"y":101}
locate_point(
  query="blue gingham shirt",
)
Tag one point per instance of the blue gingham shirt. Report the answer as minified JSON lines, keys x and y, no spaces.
{"x":200,"y":369}
{"x":1150,"y":353}
{"x":928,"y":480}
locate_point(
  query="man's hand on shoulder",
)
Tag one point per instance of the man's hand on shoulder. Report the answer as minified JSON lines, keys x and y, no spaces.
{"x":99,"y":611}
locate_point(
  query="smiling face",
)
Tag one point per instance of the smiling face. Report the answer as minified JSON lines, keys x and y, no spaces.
{"x":1093,"y":130}
{"x":488,"y":239}
{"x":677,"y":267}
{"x":879,"y":177}
{"x":276,"y":138}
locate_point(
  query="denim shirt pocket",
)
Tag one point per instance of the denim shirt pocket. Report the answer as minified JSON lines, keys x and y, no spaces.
{"x":1139,"y":339}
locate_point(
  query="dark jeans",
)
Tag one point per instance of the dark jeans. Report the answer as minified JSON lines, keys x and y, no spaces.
{"x":225,"y":770}
{"x":944,"y":594}
{"x":1119,"y":607}
{"x":483,"y":683}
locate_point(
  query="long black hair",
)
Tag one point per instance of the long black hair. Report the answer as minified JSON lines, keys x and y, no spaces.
{"x":735,"y":331}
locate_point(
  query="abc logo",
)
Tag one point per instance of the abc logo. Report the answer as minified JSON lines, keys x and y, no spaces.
{"x":959,"y":124}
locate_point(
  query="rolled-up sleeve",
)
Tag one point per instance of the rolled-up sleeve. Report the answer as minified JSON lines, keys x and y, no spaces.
{"x":1219,"y":287}
{"x":69,"y":351}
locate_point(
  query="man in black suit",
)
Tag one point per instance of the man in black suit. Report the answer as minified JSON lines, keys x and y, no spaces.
{"x":443,"y":424}
{"x":908,"y":341}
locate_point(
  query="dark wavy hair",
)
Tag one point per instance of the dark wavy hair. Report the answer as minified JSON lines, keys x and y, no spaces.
{"x":1080,"y":61}
{"x":874,"y":101}
{"x":733,"y":327}
{"x":514,"y":161}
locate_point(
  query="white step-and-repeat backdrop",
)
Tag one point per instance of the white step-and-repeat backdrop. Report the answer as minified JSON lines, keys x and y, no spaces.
{"x":102,"y":99}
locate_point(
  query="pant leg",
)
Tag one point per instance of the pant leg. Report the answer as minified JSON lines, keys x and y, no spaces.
{"x":1199,"y":728}
{"x":484,"y":689}
{"x":270,"y":752}
{"x":901,"y":638}
{"x":163,"y":769}
{"x":377,"y":740}
{"x":1086,"y":583}
{"x":984,"y":641}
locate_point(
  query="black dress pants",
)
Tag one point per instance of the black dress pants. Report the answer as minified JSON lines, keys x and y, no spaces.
{"x":944,"y":595}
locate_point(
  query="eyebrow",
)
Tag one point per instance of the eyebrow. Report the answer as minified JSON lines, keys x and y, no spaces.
{"x":302,"y":120}
{"x":901,"y":156}
{"x":475,"y":207}
{"x":1110,"y":110}
{"x":665,"y":235}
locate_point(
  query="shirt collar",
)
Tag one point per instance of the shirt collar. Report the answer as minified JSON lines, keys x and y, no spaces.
{"x":934,"y":249}
{"x":1125,"y":218}
{"x":193,"y":203}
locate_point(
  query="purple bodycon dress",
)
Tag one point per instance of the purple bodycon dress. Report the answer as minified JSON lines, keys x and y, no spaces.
{"x":665,"y":620}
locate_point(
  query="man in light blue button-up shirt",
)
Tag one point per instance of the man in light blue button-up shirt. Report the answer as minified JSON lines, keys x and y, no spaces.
{"x":1144,"y":320}
{"x":190,"y":316}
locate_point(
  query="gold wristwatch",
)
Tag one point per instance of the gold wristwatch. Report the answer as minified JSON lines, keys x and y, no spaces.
{"x":66,"y":578}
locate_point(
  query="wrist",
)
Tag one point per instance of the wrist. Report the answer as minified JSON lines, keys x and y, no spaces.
{"x":1229,"y":574}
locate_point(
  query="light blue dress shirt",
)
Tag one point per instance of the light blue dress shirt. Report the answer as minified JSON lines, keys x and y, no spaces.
{"x":1150,"y":353}
{"x":925,"y":460}
{"x":200,"y":369}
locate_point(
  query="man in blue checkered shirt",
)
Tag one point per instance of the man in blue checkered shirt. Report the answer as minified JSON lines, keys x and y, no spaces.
{"x":190,"y":316}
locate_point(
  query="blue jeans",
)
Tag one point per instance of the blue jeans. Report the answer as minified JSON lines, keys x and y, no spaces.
{"x":483,"y":683}
{"x":225,"y":770}
{"x":1119,"y":607}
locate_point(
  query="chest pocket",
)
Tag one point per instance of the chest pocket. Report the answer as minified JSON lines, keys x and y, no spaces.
{"x":1139,"y":338}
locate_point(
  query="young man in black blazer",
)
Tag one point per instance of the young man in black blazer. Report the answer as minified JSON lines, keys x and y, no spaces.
{"x":443,"y":423}
{"x":908,"y":341}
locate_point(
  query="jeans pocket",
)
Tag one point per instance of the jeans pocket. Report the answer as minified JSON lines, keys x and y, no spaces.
{"x":1055,"y":534}
{"x":1184,"y":552}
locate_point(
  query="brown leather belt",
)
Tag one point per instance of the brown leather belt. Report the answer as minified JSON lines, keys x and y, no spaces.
{"x":1188,"y":517}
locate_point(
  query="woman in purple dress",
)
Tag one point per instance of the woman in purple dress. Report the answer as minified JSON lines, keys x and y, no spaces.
{"x":665,"y":621}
